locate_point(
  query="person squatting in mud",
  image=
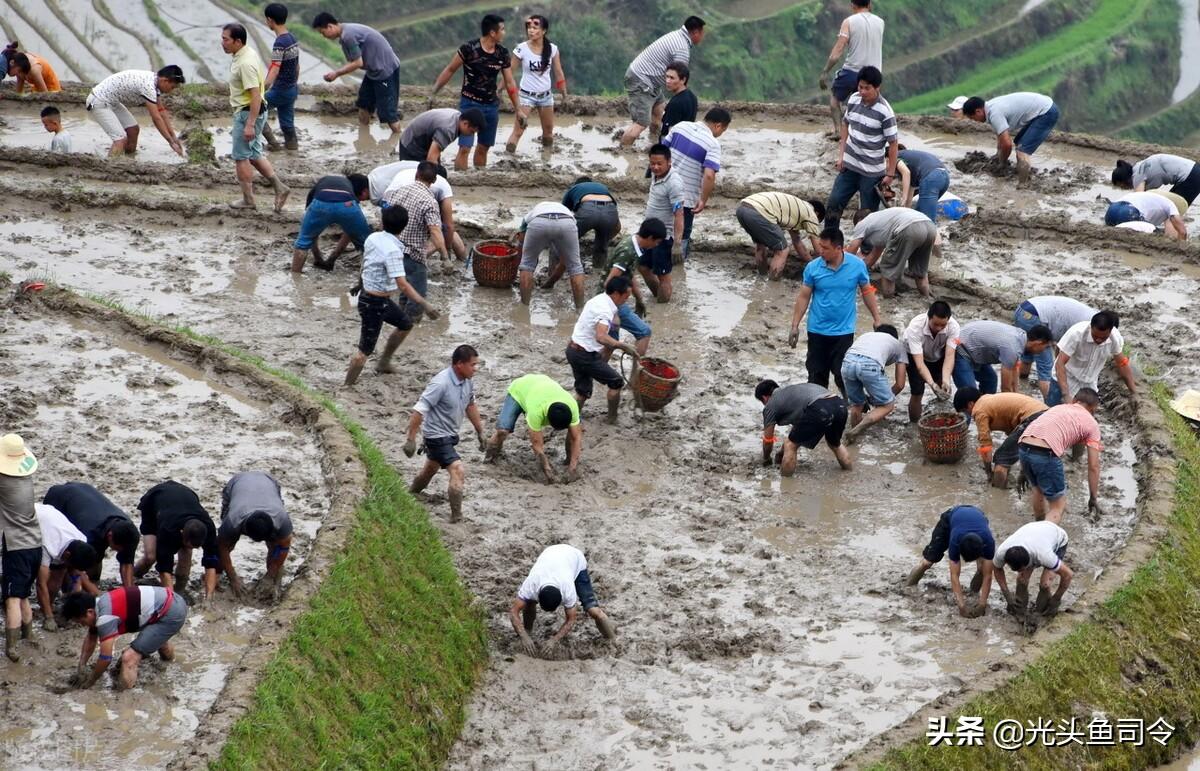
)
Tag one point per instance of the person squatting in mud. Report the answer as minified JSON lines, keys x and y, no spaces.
{"x":1011,"y":413}
{"x":252,"y":505}
{"x":333,"y":200}
{"x":438,"y":415}
{"x":1034,"y":545}
{"x":813,"y":412}
{"x":559,"y":577}
{"x":156,"y":614}
{"x":1041,"y":448}
{"x":594,"y":338}
{"x":964,"y":533}
{"x":174,"y":523}
{"x":544,"y":403}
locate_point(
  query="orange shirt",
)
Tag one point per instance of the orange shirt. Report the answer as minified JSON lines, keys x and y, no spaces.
{"x":48,"y":74}
{"x":1002,"y":412}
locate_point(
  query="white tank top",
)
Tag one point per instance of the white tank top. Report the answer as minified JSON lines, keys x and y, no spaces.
{"x":865,"y":48}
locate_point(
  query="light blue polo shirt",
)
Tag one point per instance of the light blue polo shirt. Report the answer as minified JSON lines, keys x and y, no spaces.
{"x":834,"y":306}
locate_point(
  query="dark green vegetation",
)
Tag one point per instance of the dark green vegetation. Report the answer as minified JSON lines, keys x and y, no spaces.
{"x":1138,"y":657}
{"x":1110,"y":64}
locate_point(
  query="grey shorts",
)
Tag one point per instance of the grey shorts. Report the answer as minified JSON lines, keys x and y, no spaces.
{"x":549,"y":232}
{"x":642,"y":98}
{"x":156,"y":635}
{"x":913,"y":247}
{"x":761,"y":230}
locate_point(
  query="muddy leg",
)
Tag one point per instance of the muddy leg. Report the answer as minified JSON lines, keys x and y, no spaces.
{"x":528,"y":614}
{"x":577,"y":290}
{"x":129,"y":668}
{"x":12,"y":622}
{"x":526,"y":281}
{"x":1043,"y":600}
{"x":167,"y":652}
{"x":149,"y":546}
{"x":1022,"y":597}
{"x":357,"y":362}
{"x":614,"y":404}
{"x":458,"y":478}
{"x":787,"y":466}
{"x":843,"y":457}
{"x":393,"y":342}
{"x":1024,"y":168}
{"x":977,"y":581}
{"x":915,"y":574}
{"x":424,"y":476}
{"x":914,"y":408}
{"x":606,"y":627}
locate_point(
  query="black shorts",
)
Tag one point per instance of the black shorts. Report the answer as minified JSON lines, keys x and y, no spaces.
{"x":916,"y":384}
{"x":442,"y":450}
{"x":1006,"y":454}
{"x":20,"y":568}
{"x":939,"y":541}
{"x":658,"y":259}
{"x":375,"y":312}
{"x":149,"y":523}
{"x":824,"y":418}
{"x":587,"y":366}
{"x":1189,"y":188}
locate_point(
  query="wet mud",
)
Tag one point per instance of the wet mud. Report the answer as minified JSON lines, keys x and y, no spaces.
{"x":761,"y":620}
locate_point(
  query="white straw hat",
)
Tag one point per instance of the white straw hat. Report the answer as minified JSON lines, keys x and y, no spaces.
{"x":15,"y":458}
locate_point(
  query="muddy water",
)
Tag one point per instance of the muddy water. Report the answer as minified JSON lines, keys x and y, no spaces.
{"x":116,"y":413}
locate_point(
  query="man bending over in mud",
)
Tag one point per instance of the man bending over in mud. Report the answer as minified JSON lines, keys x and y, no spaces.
{"x":964,"y":532}
{"x":559,"y":577}
{"x":1037,"y":544}
{"x":252,"y":505}
{"x":155,"y":613}
{"x":812,"y":411}
{"x":543,"y":402}
{"x":1041,"y":448}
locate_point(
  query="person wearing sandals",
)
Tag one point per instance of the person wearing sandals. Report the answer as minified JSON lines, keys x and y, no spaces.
{"x":538,"y":58}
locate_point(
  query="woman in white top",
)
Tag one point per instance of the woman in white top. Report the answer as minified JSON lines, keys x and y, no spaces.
{"x":537,"y":58}
{"x":1154,"y":208}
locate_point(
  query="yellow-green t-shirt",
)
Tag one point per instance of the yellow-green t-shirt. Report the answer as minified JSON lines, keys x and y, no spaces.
{"x":245,"y":72}
{"x":535,"y":394}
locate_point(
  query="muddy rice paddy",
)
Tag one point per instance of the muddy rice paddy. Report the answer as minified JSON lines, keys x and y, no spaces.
{"x":760,"y":620}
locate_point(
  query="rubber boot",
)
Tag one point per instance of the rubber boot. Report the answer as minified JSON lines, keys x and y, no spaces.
{"x":614,"y":406}
{"x":289,"y":139}
{"x":10,"y":643}
{"x":456,"y":499}
{"x":977,"y":582}
{"x":273,"y":143}
{"x":915,"y":576}
{"x":27,"y":631}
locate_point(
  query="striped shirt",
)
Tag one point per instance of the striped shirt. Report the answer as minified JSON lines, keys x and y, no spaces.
{"x":114,"y":611}
{"x":693,"y":149}
{"x":869,"y":129}
{"x":423,"y":216}
{"x":651,"y":64}
{"x":382,"y":263}
{"x":285,"y":54}
{"x":989,"y":342}
{"x":786,"y":211}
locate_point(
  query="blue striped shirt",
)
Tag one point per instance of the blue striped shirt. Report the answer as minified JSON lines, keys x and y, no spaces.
{"x":869,"y":129}
{"x":693,"y":149}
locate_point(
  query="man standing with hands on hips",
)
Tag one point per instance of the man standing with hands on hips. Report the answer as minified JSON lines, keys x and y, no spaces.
{"x":246,"y":81}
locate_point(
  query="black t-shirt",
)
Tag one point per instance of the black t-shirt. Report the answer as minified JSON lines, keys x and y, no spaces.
{"x":334,"y":188}
{"x":480,"y":70}
{"x":87,"y":509}
{"x":680,"y":109}
{"x":165,"y":509}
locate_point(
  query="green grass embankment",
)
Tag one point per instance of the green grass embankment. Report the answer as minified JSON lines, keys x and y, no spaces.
{"x":377,"y":672}
{"x":1173,"y":125}
{"x":1138,"y":657}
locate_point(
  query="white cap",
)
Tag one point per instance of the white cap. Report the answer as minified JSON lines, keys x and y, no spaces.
{"x":958,"y":103}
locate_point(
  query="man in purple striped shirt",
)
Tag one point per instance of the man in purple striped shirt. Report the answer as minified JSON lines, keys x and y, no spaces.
{"x":696,"y":158}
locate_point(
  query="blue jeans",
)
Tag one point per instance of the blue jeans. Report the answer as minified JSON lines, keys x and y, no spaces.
{"x":969,"y":374}
{"x":845,"y":185}
{"x":491,"y":122}
{"x":417,"y":276}
{"x":865,"y":379}
{"x":933,"y":186}
{"x":509,"y":412}
{"x":1026,"y":318}
{"x":631,"y":323}
{"x":583,"y":590}
{"x":321,"y":214}
{"x":283,"y":101}
{"x":1035,"y":132}
{"x":1044,"y":470}
{"x":685,"y":244}
{"x":1120,"y":212}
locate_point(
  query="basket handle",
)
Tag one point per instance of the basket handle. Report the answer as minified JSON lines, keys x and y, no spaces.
{"x":637,"y":395}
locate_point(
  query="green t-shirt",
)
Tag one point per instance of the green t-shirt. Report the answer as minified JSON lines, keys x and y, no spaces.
{"x":624,"y":256}
{"x":535,"y":394}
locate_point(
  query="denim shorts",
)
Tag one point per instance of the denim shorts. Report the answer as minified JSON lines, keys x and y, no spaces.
{"x":583,"y":589}
{"x":1044,"y":470}
{"x":864,"y":378}
{"x":631,"y":323}
{"x":1030,"y":138}
{"x":509,"y":412}
{"x":321,"y":214}
{"x":491,"y":121}
{"x":546,"y":99}
{"x":252,"y":150}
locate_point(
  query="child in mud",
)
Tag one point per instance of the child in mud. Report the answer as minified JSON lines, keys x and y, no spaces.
{"x":1034,"y":545}
{"x":629,"y":258}
{"x":963,"y":531}
{"x":543,"y":402}
{"x":383,"y":272}
{"x":812,"y":411}
{"x":558,"y":577}
{"x":438,"y":415}
{"x":252,"y":505}
{"x":52,"y":122}
{"x":155,"y":613}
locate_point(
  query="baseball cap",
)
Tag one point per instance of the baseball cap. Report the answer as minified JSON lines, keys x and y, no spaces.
{"x":957,"y":103}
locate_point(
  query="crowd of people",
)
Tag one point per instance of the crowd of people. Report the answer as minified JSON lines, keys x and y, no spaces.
{"x":1065,"y":343}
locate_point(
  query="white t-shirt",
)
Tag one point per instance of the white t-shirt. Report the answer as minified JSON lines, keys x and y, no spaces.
{"x":922,"y":342}
{"x":1087,"y":358}
{"x":547,"y":207}
{"x":388,"y":177}
{"x":1041,"y":539}
{"x":129,"y":87}
{"x":534,"y":78}
{"x":61,"y":143}
{"x":57,"y":532}
{"x":598,"y":310}
{"x":1155,"y":209}
{"x":556,"y":566}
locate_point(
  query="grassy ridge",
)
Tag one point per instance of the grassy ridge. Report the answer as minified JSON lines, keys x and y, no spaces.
{"x":1138,"y":657}
{"x":378,"y":671}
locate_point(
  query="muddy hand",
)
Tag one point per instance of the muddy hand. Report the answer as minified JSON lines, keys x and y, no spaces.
{"x":793,"y":338}
{"x":529,"y":646}
{"x":432,"y":313}
{"x":979,"y":610}
{"x":410,"y":447}
{"x":1095,"y":508}
{"x":572,"y":475}
{"x":823,"y":82}
{"x":483,"y":445}
{"x":941,"y":393}
{"x":1043,"y":599}
{"x":549,"y":648}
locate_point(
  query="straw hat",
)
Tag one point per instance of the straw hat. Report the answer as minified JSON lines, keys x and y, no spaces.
{"x":1178,"y":201}
{"x":15,"y":458}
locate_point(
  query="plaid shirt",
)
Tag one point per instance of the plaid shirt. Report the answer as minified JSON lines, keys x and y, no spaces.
{"x":423,"y":216}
